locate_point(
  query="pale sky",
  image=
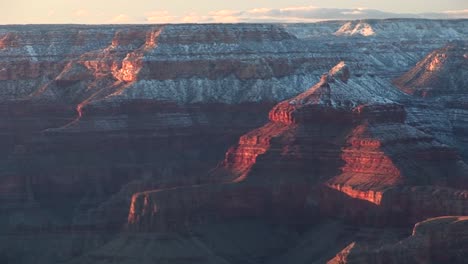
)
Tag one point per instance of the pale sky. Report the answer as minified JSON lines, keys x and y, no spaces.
{"x":210,"y":11}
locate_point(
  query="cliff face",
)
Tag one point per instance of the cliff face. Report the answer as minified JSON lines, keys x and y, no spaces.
{"x":339,"y":139}
{"x":442,"y":72}
{"x":188,"y":63}
{"x":111,"y":126}
{"x":437,"y":240}
{"x":441,"y":79}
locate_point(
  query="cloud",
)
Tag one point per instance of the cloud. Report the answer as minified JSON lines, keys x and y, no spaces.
{"x":456,"y":13}
{"x":312,"y":13}
{"x":51,"y":13}
{"x":450,"y":14}
{"x":283,"y":15}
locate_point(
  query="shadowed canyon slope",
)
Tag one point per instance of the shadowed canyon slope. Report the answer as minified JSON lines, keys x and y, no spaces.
{"x":436,"y":240}
{"x":339,"y":147}
{"x":234,"y":143}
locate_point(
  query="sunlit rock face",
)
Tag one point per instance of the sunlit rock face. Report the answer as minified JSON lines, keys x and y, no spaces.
{"x":442,"y":72}
{"x":339,"y":143}
{"x":385,"y":155}
{"x":351,"y":29}
{"x":100,"y":73}
{"x":382,"y":158}
{"x":440,"y":78}
{"x":188,"y":63}
{"x":242,"y":190}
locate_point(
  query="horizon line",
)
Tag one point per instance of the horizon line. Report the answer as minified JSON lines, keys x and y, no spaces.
{"x":230,"y":23}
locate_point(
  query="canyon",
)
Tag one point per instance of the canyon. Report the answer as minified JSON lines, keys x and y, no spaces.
{"x":338,"y":142}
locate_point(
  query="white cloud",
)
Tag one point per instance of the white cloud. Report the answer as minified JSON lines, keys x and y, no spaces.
{"x":354,"y":12}
{"x":259,"y":10}
{"x":225,"y":12}
{"x":290,"y":14}
{"x":312,"y":13}
{"x":450,"y":14}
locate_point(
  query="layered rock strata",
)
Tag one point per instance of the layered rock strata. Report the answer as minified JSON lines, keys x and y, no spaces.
{"x":442,"y":72}
{"x":440,"y":78}
{"x":342,"y":133}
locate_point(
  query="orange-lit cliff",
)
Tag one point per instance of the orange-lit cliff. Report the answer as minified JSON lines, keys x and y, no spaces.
{"x":339,"y":149}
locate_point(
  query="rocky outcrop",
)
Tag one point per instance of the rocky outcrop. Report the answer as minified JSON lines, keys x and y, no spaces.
{"x":141,"y":145}
{"x":436,"y":240}
{"x":443,"y":72}
{"x":381,"y":157}
{"x":403,"y":29}
{"x":441,"y":79}
{"x":340,"y":133}
{"x":352,"y":29}
{"x":396,"y":206}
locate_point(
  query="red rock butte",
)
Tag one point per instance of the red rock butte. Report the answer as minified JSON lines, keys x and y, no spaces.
{"x":333,"y":145}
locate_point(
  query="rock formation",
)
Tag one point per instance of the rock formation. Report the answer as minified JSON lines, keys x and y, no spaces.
{"x":441,"y":79}
{"x":442,"y":72}
{"x":97,"y":120}
{"x":436,"y":240}
{"x":341,"y":138}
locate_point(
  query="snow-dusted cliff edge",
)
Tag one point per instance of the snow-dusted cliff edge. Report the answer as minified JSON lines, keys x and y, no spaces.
{"x":205,"y":63}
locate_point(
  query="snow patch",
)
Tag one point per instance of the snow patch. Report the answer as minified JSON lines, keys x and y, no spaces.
{"x":32,"y":53}
{"x":349,"y":29}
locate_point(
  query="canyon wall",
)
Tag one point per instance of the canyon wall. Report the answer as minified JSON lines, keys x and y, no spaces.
{"x":161,"y":128}
{"x":338,"y":149}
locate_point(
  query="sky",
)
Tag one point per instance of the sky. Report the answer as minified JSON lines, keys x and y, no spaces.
{"x":228,"y":11}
